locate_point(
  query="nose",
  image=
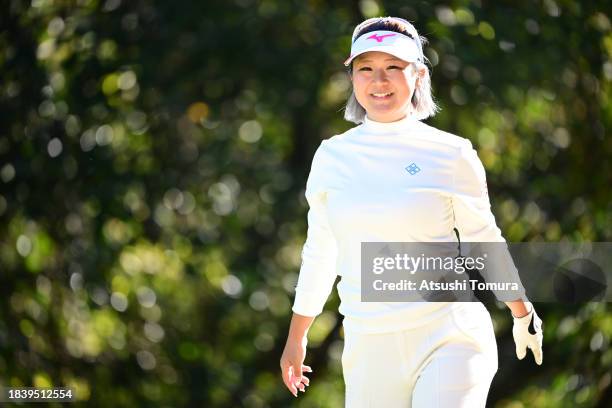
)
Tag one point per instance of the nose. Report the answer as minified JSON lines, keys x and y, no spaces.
{"x":380,"y":75}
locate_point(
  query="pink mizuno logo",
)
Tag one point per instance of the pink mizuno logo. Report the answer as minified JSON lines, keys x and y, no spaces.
{"x":379,"y":38}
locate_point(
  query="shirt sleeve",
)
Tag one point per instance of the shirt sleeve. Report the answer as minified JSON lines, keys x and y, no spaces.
{"x":318,"y":270}
{"x":476,"y":224}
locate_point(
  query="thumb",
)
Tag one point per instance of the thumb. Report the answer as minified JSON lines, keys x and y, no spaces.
{"x":296,"y":375}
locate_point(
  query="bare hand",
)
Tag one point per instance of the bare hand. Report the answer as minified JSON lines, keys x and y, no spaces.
{"x":292,"y":366}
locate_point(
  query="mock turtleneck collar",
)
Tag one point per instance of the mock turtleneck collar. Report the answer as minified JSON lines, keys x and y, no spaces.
{"x":389,"y":127}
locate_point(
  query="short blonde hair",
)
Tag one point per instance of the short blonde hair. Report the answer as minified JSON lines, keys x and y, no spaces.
{"x":422,"y":99}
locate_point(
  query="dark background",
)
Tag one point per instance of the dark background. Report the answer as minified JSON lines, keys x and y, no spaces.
{"x":153,"y":158}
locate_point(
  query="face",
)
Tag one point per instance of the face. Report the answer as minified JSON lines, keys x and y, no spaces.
{"x":383,"y":85}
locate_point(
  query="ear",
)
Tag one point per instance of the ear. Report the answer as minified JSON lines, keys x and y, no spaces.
{"x":422,"y":70}
{"x":420,"y":74}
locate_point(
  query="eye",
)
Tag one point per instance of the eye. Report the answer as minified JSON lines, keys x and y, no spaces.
{"x":394,"y":67}
{"x":365,"y":69}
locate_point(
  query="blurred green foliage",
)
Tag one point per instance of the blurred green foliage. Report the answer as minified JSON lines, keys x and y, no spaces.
{"x":153,"y":158}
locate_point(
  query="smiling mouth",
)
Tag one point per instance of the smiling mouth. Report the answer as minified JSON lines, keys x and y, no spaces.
{"x":381,"y":95}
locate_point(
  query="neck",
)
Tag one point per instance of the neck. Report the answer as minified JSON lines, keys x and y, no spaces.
{"x":388,"y":127}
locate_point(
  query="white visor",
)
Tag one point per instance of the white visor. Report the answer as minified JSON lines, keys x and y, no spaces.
{"x":391,"y":42}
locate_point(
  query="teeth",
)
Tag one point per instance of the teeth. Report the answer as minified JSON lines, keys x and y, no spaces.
{"x":380,"y":95}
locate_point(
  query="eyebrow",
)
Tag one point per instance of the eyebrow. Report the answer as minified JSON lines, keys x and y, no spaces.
{"x":369,"y":60}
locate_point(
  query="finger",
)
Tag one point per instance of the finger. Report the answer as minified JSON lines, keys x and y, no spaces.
{"x":536,"y":348}
{"x":295,"y":377}
{"x":521,"y":351}
{"x":306,"y":368}
{"x":306,"y":380}
{"x":537,"y":354}
{"x":288,"y":374}
{"x":296,"y":380}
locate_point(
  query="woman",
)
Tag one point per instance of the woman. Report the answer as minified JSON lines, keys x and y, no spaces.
{"x":420,"y":354}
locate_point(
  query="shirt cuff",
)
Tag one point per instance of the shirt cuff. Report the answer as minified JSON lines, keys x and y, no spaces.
{"x":308,"y":303}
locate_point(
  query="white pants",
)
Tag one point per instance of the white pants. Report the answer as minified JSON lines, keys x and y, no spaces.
{"x":448,"y":362}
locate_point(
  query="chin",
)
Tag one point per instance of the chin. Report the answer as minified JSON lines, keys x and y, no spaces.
{"x":384,"y":114}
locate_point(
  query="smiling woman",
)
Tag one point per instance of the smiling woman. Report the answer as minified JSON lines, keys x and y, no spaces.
{"x":391,"y":34}
{"x":383,"y":85}
{"x":396,"y":179}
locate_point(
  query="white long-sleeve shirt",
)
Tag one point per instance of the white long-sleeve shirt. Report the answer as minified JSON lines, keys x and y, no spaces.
{"x":403,"y":181}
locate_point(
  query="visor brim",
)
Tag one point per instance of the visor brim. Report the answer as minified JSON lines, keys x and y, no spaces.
{"x":407,"y":57}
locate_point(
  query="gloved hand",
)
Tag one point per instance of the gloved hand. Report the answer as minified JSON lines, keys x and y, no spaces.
{"x":527,"y":333}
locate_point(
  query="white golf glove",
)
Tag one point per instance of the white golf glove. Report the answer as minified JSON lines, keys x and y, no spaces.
{"x":527,"y":333}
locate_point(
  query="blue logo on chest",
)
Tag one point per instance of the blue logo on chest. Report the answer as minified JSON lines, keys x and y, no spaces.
{"x":413,"y":169}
